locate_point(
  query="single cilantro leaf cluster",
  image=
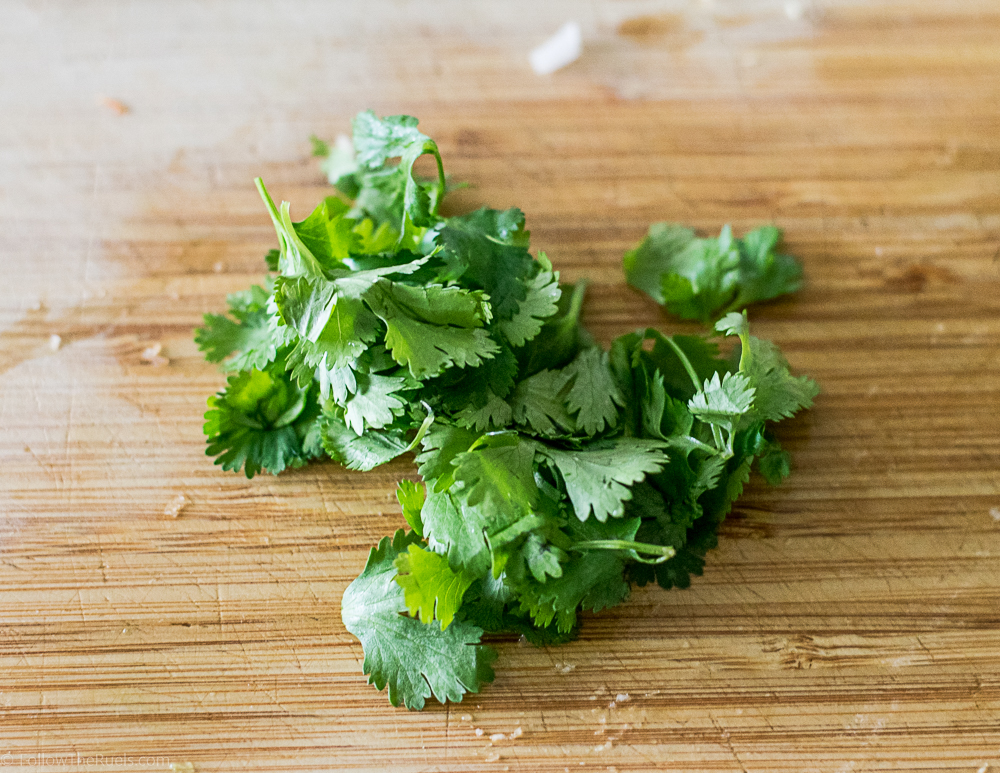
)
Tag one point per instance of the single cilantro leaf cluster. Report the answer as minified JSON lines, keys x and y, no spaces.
{"x":704,"y":279}
{"x":553,"y":473}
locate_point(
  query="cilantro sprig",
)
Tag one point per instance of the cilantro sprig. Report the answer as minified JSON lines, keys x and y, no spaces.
{"x":704,"y":279}
{"x":553,"y":473}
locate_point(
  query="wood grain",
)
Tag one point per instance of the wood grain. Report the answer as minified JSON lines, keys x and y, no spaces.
{"x":850,"y":619}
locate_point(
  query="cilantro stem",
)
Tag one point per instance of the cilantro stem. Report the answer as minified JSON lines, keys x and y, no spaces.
{"x":693,"y":441}
{"x":442,"y":182}
{"x":422,"y":429}
{"x":516,"y":529}
{"x":661,"y":552}
{"x":685,"y":362}
{"x":576,"y":301}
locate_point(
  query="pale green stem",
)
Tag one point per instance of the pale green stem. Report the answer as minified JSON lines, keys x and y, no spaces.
{"x":685,"y":362}
{"x":661,"y":552}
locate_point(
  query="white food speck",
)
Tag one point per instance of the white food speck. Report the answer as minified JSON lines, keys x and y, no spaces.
{"x":497,"y":737}
{"x":479,"y":731}
{"x":558,"y":51}
{"x":176,"y":505}
{"x":55,"y":341}
{"x":622,"y":697}
{"x":151,"y":354}
{"x":793,"y":9}
{"x":995,"y":513}
{"x":518,"y":732}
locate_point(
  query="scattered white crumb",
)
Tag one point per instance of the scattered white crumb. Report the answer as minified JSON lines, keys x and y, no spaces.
{"x":622,"y":697}
{"x":466,"y":717}
{"x":995,"y":513}
{"x":612,"y":705}
{"x":493,"y":757}
{"x":479,"y":731}
{"x":984,"y":768}
{"x":793,"y":9}
{"x":604,"y":746}
{"x":558,"y":51}
{"x":55,"y":341}
{"x":217,"y":267}
{"x":176,"y":505}
{"x":564,"y":668}
{"x":497,"y":737}
{"x":518,"y":732}
{"x":592,"y":698}
{"x":151,"y":354}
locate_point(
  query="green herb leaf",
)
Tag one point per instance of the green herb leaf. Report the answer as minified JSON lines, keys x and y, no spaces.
{"x":414,"y":660}
{"x":431,"y":589}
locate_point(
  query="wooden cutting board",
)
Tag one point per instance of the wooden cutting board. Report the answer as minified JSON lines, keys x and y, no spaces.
{"x":160,"y":614}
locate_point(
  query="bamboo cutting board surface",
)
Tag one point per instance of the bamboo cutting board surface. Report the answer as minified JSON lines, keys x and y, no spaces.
{"x":848,"y":621}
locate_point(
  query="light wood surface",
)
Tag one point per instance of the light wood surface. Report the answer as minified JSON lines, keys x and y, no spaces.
{"x":850,"y":619}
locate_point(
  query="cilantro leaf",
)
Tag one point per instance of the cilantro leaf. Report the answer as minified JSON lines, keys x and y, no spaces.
{"x":411,"y":497}
{"x":431,"y":589}
{"x":487,"y":250}
{"x":247,"y":338}
{"x":500,"y":475}
{"x":597,"y":478}
{"x":592,"y":580}
{"x":541,"y":302}
{"x":646,"y":263}
{"x":376,"y":403}
{"x":339,"y":164}
{"x":261,"y":421}
{"x":377,"y":140}
{"x":594,"y":395}
{"x":778,"y":394}
{"x":360,"y":452}
{"x":427,"y":340}
{"x":723,"y":401}
{"x":340,"y":328}
{"x":295,"y":259}
{"x":459,"y":530}
{"x":414,"y":660}
{"x":764,"y":273}
{"x":475,"y":395}
{"x":538,"y":403}
{"x":494,"y":412}
{"x":703,"y":278}
{"x":328,"y":232}
{"x":441,"y":444}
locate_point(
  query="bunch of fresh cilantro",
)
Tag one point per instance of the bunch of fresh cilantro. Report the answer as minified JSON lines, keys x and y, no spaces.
{"x":554,"y":473}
